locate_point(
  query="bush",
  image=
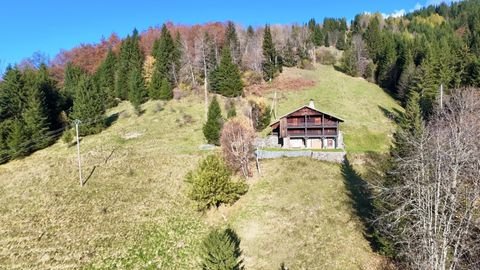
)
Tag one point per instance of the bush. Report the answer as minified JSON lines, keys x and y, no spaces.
{"x":326,"y":57}
{"x":211,"y":184}
{"x":221,"y":251}
{"x":251,"y":77}
{"x":237,"y":144}
{"x":67,"y":137}
{"x":261,"y":115}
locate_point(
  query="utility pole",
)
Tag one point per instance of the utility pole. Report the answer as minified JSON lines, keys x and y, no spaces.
{"x":77,"y":122}
{"x":441,"y":96}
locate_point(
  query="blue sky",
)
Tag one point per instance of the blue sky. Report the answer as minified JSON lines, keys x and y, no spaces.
{"x":47,"y":26}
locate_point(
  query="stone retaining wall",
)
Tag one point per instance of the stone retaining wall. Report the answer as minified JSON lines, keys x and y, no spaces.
{"x":337,"y":157}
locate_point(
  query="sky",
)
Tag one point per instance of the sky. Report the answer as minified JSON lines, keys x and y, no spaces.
{"x":47,"y":26}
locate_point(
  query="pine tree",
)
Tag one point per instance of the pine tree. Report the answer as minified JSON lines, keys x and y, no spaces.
{"x":213,"y":126}
{"x":17,"y":138}
{"x":341,"y":43}
{"x":327,"y":40}
{"x":226,"y":79}
{"x":122,"y":73}
{"x":271,"y":65}
{"x":167,"y":63}
{"x":72,"y":74}
{"x":12,"y":95}
{"x":410,"y":126}
{"x":232,"y":42}
{"x":88,"y":106}
{"x":221,"y":251}
{"x":166,"y":92}
{"x":289,"y":55}
{"x":35,"y":116}
{"x":54,"y":103}
{"x":137,"y":92}
{"x":105,"y":77}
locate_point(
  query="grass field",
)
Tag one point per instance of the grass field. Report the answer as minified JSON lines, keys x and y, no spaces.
{"x":133,"y":212}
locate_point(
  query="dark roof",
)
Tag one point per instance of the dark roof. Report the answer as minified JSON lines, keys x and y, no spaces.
{"x":306,"y":106}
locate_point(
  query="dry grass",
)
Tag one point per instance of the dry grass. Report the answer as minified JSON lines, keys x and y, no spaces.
{"x":133,"y":212}
{"x":300,"y":213}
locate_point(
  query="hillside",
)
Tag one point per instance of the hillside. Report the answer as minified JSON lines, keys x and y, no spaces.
{"x":133,"y":210}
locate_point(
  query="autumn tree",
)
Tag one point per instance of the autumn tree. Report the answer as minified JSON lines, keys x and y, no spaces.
{"x":237,"y":144}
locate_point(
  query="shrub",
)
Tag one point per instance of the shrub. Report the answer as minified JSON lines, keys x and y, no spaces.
{"x":221,"y":251}
{"x":230,"y":108}
{"x":211,"y":184}
{"x":326,"y":57}
{"x":67,"y":137}
{"x":261,"y":115}
{"x":237,"y":144}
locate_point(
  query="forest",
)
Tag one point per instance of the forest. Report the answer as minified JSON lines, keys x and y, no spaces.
{"x":411,"y":57}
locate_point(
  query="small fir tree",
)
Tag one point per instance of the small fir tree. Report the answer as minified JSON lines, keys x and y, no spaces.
{"x":211,"y":184}
{"x":166,"y":92}
{"x":271,"y":65}
{"x":213,"y":126}
{"x":221,"y":251}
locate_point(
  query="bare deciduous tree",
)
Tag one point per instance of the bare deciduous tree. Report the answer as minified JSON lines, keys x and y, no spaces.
{"x":436,"y":196}
{"x":237,"y":144}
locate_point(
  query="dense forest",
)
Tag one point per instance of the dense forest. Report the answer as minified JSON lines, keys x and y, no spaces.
{"x":418,"y":52}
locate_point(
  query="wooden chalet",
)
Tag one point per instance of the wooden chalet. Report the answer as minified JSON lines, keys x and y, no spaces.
{"x":307,"y":127}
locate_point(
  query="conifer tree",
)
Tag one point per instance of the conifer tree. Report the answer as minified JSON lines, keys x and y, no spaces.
{"x":232,"y":42}
{"x":213,"y":126}
{"x":221,"y":251}
{"x":270,"y":65}
{"x":12,"y":95}
{"x":137,"y":92}
{"x":327,"y":40}
{"x":122,"y":73}
{"x":17,"y":139}
{"x":410,"y":126}
{"x":88,"y":106}
{"x":167,"y":57}
{"x":35,"y":116}
{"x":71,"y":78}
{"x":166,"y":92}
{"x":105,"y":77}
{"x":226,"y":79}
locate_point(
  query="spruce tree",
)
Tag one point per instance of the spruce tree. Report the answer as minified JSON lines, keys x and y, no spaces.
{"x":167,"y":63}
{"x":35,"y":116}
{"x":17,"y":139}
{"x":226,"y":79}
{"x":221,"y":251}
{"x":12,"y":94}
{"x":72,"y":75}
{"x":105,"y":77}
{"x":270,"y":66}
{"x":410,"y":126}
{"x":88,"y":106}
{"x":232,"y":42}
{"x":213,"y":126}
{"x":122,"y":73}
{"x":137,"y":92}
{"x":166,"y":91}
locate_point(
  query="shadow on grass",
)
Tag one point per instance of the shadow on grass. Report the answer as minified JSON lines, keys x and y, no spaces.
{"x":111,"y":119}
{"x":394,"y":115}
{"x":361,"y":198}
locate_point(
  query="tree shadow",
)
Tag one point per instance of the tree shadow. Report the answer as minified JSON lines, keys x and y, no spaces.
{"x":90,"y":174}
{"x":111,"y":119}
{"x":394,"y":115}
{"x":361,"y":198}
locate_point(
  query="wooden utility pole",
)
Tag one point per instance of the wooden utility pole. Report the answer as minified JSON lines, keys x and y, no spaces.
{"x":77,"y":122}
{"x":441,"y":96}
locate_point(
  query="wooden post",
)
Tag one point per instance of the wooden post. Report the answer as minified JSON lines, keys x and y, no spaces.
{"x":77,"y":122}
{"x":441,"y":96}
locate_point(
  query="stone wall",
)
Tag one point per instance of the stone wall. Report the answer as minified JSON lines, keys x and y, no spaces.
{"x":337,"y":157}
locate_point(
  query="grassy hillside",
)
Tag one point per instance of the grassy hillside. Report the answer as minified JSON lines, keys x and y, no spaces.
{"x":133,"y":210}
{"x":363,"y":106}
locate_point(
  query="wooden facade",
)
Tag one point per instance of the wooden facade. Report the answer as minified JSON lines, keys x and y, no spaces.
{"x":307,"y":127}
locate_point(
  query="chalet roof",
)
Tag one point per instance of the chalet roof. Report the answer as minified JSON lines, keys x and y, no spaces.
{"x":306,"y":106}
